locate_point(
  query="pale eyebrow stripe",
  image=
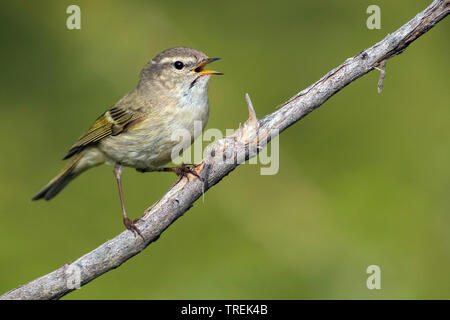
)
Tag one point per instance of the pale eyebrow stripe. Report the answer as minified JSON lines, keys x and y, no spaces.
{"x":173,"y":59}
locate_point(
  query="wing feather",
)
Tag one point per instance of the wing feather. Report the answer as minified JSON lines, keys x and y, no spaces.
{"x":112,"y":122}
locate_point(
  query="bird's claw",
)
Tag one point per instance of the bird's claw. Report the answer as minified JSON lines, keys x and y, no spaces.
{"x":185,"y":169}
{"x":131,"y":225}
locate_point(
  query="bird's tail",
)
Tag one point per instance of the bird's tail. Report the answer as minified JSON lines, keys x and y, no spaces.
{"x":67,"y":174}
{"x":88,"y":158}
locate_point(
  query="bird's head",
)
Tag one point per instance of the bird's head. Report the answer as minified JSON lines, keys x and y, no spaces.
{"x":178,"y":70}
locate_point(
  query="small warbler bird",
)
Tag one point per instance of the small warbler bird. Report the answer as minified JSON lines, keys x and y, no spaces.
{"x":136,"y":132}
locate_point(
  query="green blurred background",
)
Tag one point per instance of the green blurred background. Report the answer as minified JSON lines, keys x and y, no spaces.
{"x":363,"y":180}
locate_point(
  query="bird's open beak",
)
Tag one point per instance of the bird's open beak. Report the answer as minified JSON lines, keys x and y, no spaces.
{"x":200,"y":68}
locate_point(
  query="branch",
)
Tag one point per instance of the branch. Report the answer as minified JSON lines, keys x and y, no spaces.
{"x":223,"y":156}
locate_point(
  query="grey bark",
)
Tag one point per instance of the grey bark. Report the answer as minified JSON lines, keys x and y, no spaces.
{"x":245,"y":143}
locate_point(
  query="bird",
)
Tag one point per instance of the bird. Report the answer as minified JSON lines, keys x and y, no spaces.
{"x":136,"y":132}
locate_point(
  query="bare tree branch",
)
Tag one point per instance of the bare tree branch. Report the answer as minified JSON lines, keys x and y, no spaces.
{"x":234,"y":150}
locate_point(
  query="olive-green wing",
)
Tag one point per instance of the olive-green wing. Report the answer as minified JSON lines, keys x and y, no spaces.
{"x":111,"y":123}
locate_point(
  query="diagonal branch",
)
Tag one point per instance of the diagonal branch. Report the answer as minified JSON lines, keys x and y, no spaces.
{"x":223,"y":156}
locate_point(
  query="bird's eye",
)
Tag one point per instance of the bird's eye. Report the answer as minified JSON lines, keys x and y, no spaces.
{"x":178,"y":65}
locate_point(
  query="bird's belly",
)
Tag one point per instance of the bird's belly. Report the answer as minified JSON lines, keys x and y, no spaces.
{"x":139,"y":150}
{"x":152,"y":143}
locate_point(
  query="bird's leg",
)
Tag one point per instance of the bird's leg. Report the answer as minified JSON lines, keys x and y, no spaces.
{"x":182,"y":171}
{"x":130,"y":225}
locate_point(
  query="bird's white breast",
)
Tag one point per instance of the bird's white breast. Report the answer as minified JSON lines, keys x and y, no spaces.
{"x":151,"y":145}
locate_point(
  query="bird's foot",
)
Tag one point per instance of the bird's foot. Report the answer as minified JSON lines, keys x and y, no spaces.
{"x":131,"y":225}
{"x":184,"y":170}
